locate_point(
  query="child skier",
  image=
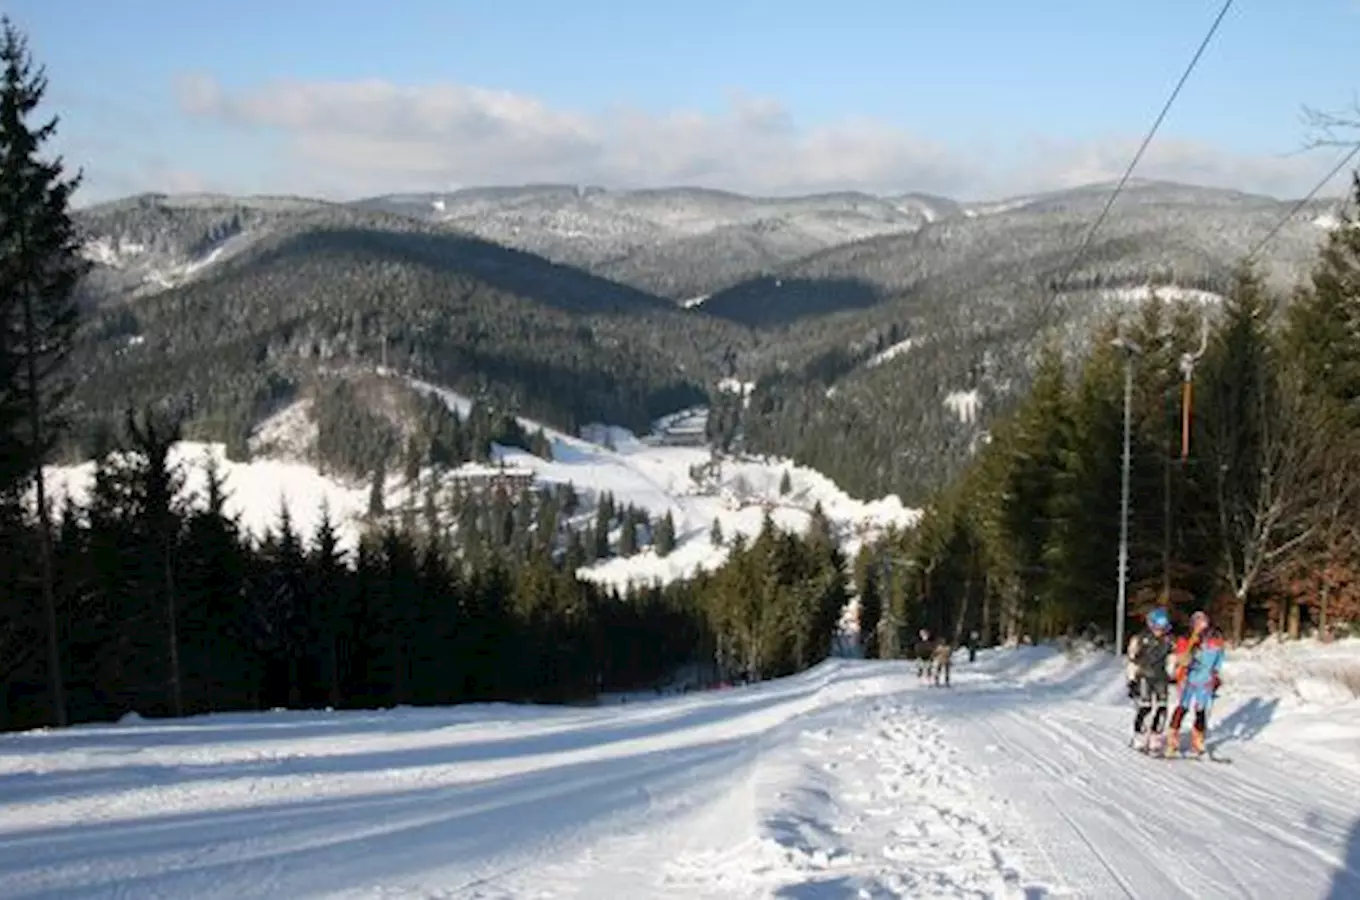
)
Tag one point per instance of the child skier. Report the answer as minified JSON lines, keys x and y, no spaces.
{"x":1149,"y":677}
{"x":1199,"y":657}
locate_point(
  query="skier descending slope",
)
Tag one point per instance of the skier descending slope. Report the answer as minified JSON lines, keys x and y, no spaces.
{"x":1199,"y":656}
{"x":1149,"y":677}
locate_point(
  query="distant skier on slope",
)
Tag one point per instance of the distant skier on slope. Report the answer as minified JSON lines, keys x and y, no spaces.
{"x":923,"y":650}
{"x":1149,"y":677}
{"x":1199,"y":657}
{"x":941,"y":660}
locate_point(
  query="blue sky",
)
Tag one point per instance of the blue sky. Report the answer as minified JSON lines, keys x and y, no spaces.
{"x":971,"y":98}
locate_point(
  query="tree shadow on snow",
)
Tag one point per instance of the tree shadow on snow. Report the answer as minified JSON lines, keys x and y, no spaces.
{"x":1346,"y":881}
{"x":559,"y":731}
{"x":343,"y":843}
{"x":293,"y":725}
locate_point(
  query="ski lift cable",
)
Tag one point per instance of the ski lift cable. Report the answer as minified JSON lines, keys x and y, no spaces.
{"x":1293,"y":210}
{"x":1133,"y":163}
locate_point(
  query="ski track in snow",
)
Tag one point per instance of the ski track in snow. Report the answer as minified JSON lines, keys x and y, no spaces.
{"x":852,"y":780}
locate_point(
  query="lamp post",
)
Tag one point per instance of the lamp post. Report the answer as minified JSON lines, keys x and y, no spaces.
{"x":1130,"y":350}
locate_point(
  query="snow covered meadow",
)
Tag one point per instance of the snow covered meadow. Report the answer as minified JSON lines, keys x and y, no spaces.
{"x":851,"y":780}
{"x":657,"y":477}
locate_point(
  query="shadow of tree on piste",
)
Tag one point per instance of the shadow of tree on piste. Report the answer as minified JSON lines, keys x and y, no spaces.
{"x":560,"y":731}
{"x":464,"y":832}
{"x":1346,"y":881}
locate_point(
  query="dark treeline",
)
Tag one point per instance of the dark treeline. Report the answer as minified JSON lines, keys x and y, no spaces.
{"x":166,"y":607}
{"x":1258,"y":523}
{"x":366,"y":424}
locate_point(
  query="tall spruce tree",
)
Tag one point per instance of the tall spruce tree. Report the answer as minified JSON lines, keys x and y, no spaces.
{"x":1321,"y":355}
{"x":1322,"y":331}
{"x":1254,"y":451}
{"x":40,"y":266}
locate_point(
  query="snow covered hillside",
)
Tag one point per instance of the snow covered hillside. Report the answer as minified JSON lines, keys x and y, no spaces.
{"x":672,"y":470}
{"x":850,"y":780}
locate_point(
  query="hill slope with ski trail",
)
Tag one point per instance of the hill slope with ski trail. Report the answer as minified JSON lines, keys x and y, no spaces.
{"x":851,"y":780}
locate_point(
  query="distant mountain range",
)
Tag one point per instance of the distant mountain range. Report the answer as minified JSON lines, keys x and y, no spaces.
{"x":580,"y":303}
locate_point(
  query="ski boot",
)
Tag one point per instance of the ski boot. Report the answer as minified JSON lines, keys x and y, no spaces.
{"x":1197,"y":742}
{"x":1172,"y":748}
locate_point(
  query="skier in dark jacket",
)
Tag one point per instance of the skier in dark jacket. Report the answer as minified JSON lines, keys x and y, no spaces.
{"x":1150,"y":656}
{"x":923,"y":652}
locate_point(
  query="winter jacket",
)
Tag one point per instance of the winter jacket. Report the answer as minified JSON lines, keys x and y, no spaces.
{"x":1151,"y":656}
{"x":1199,"y":659}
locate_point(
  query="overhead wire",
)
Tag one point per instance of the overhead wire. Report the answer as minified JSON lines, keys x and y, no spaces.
{"x":1085,"y":244}
{"x":1294,"y":210}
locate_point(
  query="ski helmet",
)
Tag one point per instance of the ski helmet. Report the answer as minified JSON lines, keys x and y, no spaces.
{"x":1158,"y":620}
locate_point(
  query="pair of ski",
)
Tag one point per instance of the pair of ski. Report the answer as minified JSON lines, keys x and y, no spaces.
{"x":1159,"y":753}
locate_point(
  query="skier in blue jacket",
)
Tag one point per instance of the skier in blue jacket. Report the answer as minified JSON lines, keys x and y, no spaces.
{"x":1199,"y":657}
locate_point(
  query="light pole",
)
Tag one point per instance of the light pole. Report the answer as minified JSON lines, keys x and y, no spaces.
{"x":1130,"y":350}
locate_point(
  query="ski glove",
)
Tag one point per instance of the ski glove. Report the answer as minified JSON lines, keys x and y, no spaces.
{"x":1216,"y":683}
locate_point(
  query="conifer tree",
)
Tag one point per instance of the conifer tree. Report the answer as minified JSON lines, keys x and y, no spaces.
{"x":665,"y":535}
{"x":40,"y":266}
{"x":1322,"y":332}
{"x":158,"y":483}
{"x":870,"y":600}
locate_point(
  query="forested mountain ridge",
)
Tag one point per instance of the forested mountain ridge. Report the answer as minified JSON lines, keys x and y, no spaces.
{"x":679,"y":242}
{"x":864,"y":350}
{"x":284,"y":290}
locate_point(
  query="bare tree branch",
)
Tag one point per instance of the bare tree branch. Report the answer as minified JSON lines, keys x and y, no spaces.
{"x":1332,"y":129}
{"x":1264,"y":486}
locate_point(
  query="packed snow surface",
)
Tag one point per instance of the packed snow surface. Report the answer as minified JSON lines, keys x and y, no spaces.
{"x":852,"y":780}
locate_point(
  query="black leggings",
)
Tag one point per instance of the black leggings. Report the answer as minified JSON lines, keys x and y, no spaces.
{"x":1158,"y":719}
{"x":1152,"y":698}
{"x":1201,"y":720}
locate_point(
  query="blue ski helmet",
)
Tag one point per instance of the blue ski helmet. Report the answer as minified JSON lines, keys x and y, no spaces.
{"x":1158,"y":620}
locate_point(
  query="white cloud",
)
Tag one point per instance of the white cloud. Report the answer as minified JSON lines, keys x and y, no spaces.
{"x":347,"y":139}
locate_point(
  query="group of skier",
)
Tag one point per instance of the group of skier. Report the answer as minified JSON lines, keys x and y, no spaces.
{"x":934,"y":658}
{"x":1156,"y":660}
{"x":1193,"y":661}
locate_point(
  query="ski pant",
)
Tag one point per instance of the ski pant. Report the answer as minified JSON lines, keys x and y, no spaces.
{"x":1152,"y":701}
{"x":1198,"y":698}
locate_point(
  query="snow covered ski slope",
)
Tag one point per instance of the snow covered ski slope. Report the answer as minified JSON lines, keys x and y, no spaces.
{"x":852,"y":780}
